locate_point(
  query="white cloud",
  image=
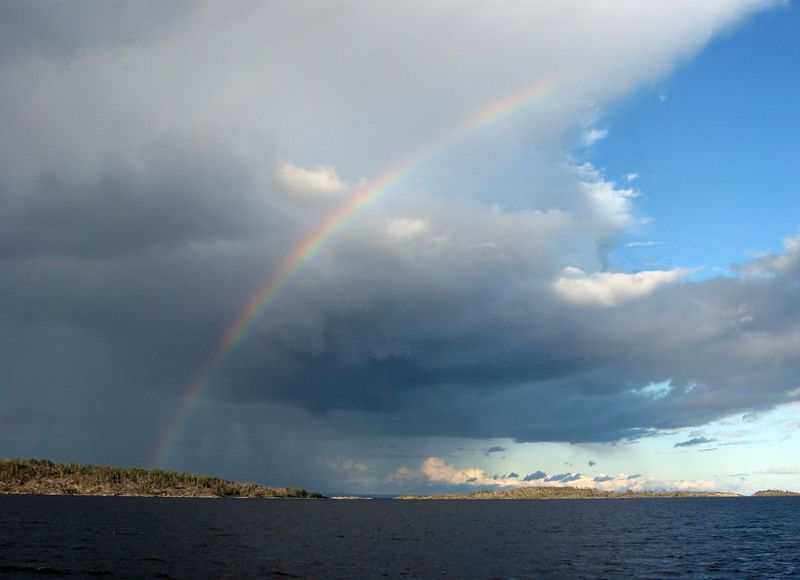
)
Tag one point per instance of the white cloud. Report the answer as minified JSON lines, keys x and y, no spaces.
{"x":612,"y":288}
{"x":592,"y":136}
{"x":611,"y":205}
{"x":322,"y":180}
{"x":644,"y":244}
{"x":631,"y":177}
{"x":435,"y":470}
{"x":402,"y":228}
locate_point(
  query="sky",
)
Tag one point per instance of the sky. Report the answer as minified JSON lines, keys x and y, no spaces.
{"x":402,"y":247}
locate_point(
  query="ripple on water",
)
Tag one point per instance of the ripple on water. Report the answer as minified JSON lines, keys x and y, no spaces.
{"x":169,"y":537}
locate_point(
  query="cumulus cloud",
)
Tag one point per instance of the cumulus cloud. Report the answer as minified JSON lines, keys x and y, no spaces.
{"x":322,"y":180}
{"x":771,"y":264}
{"x":461,"y":317}
{"x":155,"y":175}
{"x":435,"y":471}
{"x":611,"y":288}
{"x":613,"y":204}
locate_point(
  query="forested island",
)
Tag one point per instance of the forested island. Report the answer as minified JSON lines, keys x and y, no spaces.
{"x":775,"y":493}
{"x":40,"y":476}
{"x":566,"y":492}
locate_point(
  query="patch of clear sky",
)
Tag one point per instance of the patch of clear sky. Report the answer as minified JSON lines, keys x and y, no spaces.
{"x":716,"y":147}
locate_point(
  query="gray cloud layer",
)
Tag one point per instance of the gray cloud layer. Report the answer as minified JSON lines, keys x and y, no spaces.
{"x":145,"y":198}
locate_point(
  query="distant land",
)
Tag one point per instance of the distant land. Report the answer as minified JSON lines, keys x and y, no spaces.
{"x":775,"y":493}
{"x":43,"y":477}
{"x":583,"y":493}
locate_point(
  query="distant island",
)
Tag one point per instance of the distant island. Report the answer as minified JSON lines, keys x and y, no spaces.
{"x":40,"y":476}
{"x":774,"y":493}
{"x":566,"y":492}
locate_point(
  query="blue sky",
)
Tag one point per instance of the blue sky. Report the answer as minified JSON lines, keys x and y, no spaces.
{"x":714,"y":144}
{"x":597,"y":288}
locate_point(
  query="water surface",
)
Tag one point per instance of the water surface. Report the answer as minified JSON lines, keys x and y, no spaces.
{"x":234,"y":538}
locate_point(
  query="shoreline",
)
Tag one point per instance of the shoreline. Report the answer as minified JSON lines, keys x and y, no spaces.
{"x":666,"y":495}
{"x":565,"y":497}
{"x":46,"y":478}
{"x":166,"y":496}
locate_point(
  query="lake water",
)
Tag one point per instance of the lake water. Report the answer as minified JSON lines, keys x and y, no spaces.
{"x":228,"y":538}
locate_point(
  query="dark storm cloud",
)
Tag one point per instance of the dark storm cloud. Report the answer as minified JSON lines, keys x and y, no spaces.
{"x":535,"y":476}
{"x":592,"y":463}
{"x":603,"y":478}
{"x":139,"y":214}
{"x":398,"y":334}
{"x":558,"y":378}
{"x":495,"y":449}
{"x":60,"y":30}
{"x":182,"y":189}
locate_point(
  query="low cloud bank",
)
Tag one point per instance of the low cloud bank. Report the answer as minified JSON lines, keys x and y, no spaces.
{"x":435,"y":471}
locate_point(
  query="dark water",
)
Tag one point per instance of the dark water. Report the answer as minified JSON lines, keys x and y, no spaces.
{"x":191,"y":538}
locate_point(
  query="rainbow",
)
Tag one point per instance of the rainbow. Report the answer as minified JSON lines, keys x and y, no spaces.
{"x":320,"y":237}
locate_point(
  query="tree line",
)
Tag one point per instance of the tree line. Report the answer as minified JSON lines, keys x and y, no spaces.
{"x":44,"y":476}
